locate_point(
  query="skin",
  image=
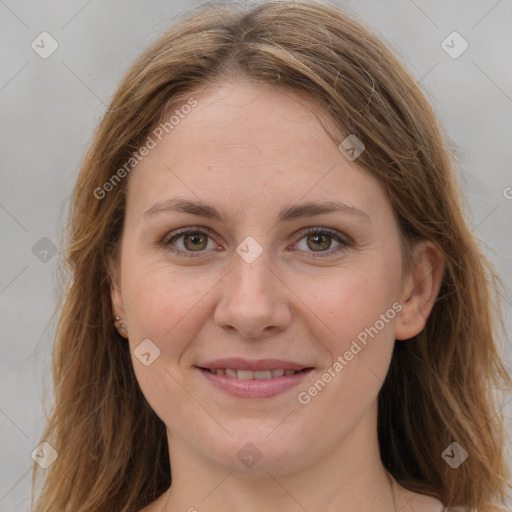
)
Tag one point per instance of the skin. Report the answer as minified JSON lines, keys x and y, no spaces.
{"x":250,"y":149}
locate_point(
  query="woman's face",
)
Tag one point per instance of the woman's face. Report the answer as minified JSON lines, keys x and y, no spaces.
{"x":255,"y":287}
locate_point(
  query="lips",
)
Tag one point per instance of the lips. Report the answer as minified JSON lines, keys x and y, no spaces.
{"x":253,"y":378}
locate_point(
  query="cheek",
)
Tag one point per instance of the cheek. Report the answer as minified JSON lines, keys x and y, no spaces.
{"x":163,"y":304}
{"x":354,"y":300}
{"x":168,"y":306}
{"x":360,"y":309}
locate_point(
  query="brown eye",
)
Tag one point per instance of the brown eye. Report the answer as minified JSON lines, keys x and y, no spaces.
{"x":189,"y":241}
{"x":320,"y":241}
{"x":195,"y":242}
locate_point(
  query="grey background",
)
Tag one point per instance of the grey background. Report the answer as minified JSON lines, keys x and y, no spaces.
{"x":50,"y":107}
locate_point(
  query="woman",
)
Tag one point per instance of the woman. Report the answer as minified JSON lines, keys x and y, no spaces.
{"x":275,"y":296}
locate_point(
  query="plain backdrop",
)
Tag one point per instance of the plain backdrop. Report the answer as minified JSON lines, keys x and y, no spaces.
{"x":50,"y":107}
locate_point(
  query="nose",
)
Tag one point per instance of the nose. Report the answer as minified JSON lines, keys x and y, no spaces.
{"x":254,"y":300}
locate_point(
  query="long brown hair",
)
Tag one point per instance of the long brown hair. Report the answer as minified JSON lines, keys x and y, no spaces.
{"x":112,"y":448}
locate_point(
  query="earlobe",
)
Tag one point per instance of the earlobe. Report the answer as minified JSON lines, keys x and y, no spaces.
{"x":420,"y":290}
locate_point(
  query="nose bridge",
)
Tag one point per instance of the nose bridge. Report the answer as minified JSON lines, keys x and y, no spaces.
{"x":252,"y":300}
{"x":251,"y":272}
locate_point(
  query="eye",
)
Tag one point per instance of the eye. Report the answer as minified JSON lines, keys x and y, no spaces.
{"x":320,"y":240}
{"x":194,"y":241}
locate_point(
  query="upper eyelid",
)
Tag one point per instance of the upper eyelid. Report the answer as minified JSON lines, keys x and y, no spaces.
{"x":185,"y":231}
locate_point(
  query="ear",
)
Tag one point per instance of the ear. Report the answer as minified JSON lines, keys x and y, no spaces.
{"x":420,"y":290}
{"x":116,"y":296}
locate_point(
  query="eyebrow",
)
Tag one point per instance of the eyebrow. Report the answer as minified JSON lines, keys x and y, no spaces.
{"x":288,"y":213}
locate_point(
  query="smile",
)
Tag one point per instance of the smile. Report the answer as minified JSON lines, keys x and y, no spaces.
{"x":252,"y":375}
{"x":243,"y":383}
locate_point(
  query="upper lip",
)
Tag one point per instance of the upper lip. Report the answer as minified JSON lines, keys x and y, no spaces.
{"x":254,"y":364}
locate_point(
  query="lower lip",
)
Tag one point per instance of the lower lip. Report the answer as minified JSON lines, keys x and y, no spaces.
{"x":261,"y":388}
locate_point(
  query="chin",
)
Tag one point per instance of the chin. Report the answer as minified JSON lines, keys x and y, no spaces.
{"x":253,"y":451}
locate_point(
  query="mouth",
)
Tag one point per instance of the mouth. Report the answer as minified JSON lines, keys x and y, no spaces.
{"x":253,"y":379}
{"x":240,"y":374}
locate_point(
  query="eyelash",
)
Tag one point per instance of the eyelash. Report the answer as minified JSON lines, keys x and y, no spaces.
{"x":343,"y":240}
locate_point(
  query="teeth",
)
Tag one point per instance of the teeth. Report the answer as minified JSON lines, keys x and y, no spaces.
{"x":250,"y":375}
{"x":265,"y":374}
{"x":245,"y":374}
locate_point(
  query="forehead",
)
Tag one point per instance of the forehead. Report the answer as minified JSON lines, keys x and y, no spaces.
{"x":261,"y":110}
{"x":244,"y":140}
